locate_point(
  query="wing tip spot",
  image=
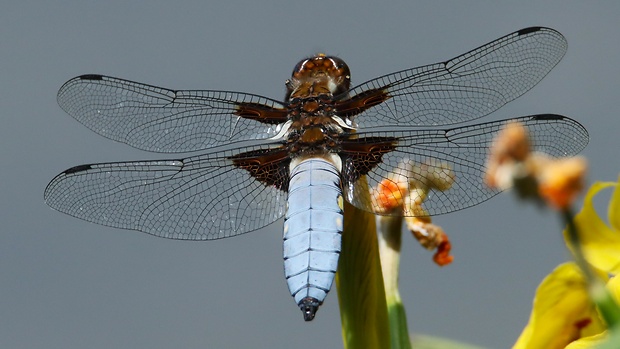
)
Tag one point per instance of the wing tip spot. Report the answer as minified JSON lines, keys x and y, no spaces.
{"x":76,"y":169}
{"x":91,"y":77}
{"x":549,"y":117}
{"x":529,"y":30}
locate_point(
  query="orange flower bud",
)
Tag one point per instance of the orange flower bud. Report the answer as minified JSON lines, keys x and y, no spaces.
{"x":561,"y":181}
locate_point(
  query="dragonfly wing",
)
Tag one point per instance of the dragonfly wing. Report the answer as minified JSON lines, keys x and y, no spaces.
{"x":209,"y":196}
{"x":462,"y":151}
{"x":163,"y":120}
{"x":464,"y":88}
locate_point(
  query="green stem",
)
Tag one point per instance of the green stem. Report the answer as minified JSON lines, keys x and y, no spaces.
{"x":389,"y":231}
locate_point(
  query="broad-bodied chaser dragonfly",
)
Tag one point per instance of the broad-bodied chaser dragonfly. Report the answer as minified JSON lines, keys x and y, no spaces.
{"x":299,"y":158}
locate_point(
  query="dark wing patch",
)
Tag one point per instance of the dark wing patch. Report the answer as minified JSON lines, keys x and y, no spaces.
{"x":360,"y":102}
{"x":270,"y":167}
{"x":361,"y":155}
{"x":261,"y":113}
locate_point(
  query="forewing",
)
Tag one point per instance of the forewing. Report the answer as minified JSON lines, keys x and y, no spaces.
{"x":197,"y":198}
{"x":464,"y":88}
{"x":163,"y":120}
{"x":462,"y":150}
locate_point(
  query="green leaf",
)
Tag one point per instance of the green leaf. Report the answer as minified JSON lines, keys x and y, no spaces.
{"x":363,"y":311}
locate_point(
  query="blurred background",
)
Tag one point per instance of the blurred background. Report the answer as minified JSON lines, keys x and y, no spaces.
{"x":65,"y":283}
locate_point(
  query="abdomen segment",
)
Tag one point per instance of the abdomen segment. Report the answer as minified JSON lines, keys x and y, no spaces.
{"x":312,"y":232}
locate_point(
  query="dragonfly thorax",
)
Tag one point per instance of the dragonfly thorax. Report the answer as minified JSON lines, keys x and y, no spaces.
{"x":314,"y":127}
{"x":318,"y":75}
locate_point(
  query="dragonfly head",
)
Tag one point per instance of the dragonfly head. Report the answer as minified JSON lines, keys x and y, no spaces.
{"x":318,"y":75}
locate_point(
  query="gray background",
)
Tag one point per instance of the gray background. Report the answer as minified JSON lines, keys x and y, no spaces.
{"x":65,"y":283}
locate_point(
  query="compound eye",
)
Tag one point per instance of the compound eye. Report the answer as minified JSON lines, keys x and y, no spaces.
{"x":300,"y":66}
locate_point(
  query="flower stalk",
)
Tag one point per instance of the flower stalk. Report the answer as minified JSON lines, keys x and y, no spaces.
{"x":390,"y":237}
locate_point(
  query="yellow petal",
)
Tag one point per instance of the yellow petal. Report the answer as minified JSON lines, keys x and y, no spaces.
{"x":613,"y":285}
{"x":614,"y":208}
{"x":588,"y":342}
{"x":562,"y":311}
{"x":601,"y":244}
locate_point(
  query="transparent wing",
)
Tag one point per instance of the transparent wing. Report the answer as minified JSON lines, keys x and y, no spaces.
{"x":197,"y":198}
{"x":464,"y":150}
{"x":163,"y":120}
{"x":464,"y":88}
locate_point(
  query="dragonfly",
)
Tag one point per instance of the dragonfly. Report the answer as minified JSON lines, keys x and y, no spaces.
{"x":259,"y":159}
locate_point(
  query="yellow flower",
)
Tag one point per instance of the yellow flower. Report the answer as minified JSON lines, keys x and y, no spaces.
{"x":613,"y":285}
{"x":562,"y":311}
{"x":600,"y":242}
{"x":563,"y":314}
